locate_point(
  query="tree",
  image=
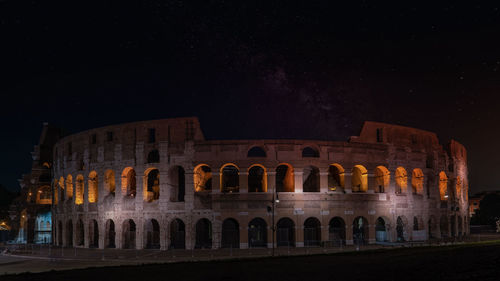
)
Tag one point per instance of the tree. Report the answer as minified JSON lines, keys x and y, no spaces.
{"x":489,"y":210}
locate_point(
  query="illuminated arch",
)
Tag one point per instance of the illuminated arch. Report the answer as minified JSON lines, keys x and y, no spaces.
{"x":359,"y":179}
{"x":61,"y":189}
{"x":129,"y":182}
{"x":109,"y":182}
{"x":257,"y":178}
{"x":93,"y":187}
{"x":229,"y":178}
{"x":417,"y":181}
{"x":151,"y":185}
{"x":69,"y":187}
{"x":202,"y":178}
{"x":401,"y":180}
{"x":285,"y":180}
{"x":443,"y":186}
{"x":79,"y":190}
{"x":336,"y":177}
{"x":382,"y":179}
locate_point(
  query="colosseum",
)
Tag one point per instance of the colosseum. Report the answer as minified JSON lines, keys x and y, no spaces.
{"x":160,"y":184}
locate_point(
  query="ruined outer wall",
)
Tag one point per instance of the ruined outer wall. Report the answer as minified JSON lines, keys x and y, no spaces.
{"x":180,"y":143}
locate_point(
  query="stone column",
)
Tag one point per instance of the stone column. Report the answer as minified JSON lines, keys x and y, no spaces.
{"x":323,"y":181}
{"x":299,"y":233}
{"x":298,"y":174}
{"x":86,"y":232}
{"x":243,"y":180}
{"x":102,"y":233}
{"x":165,"y":191}
{"x":371,"y":183}
{"x":348,"y":182}
{"x":348,"y":231}
{"x":118,"y":233}
{"x":139,"y":234}
{"x":271,"y":182}
{"x":139,"y":183}
{"x":371,"y":234}
{"x":216,"y":185}
{"x":189,"y":189}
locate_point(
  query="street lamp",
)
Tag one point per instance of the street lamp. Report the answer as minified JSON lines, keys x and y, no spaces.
{"x":272,"y":209}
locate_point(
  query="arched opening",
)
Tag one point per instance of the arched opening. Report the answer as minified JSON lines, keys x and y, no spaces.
{"x":444,"y":226}
{"x":285,"y":181}
{"x":79,"y":190}
{"x":203,"y":234}
{"x":382,"y":179}
{"x":312,"y":232}
{"x":401,"y":180}
{"x":311,"y":179}
{"x":154,"y":156}
{"x":109,"y":238}
{"x":256,"y":151}
{"x":230,"y":181}
{"x":93,"y":234}
{"x":336,"y":231}
{"x":60,"y":233}
{"x":359,"y":179}
{"x":257,"y":233}
{"x":335,"y":177}
{"x":380,"y":230}
{"x":80,"y":233}
{"x":310,"y":152}
{"x":443,"y":186}
{"x":177,"y":184}
{"x":257,"y":179}
{"x":152,"y":185}
{"x":202,"y":178}
{"x":93,"y":187}
{"x":109,"y":182}
{"x":401,"y":229}
{"x":152,"y":234}
{"x":177,"y":234}
{"x":285,"y":232}
{"x":44,"y":195}
{"x":129,"y":184}
{"x":128,"y":234}
{"x":360,"y":231}
{"x":230,"y":234}
{"x":69,"y":233}
{"x":69,"y":187}
{"x":417,"y":181}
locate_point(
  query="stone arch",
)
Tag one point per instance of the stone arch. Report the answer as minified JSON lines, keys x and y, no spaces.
{"x":69,"y":187}
{"x":110,"y":235}
{"x":417,"y":181}
{"x":401,"y":180}
{"x":129,"y":182}
{"x":336,"y":177}
{"x":177,"y":183}
{"x":336,"y":231}
{"x":443,"y":186}
{"x":44,"y":195}
{"x":401,"y":229}
{"x":93,"y":234}
{"x":230,"y":233}
{"x":312,"y":232}
{"x":128,"y":234}
{"x":203,"y":234}
{"x":311,"y":179}
{"x":152,"y":185}
{"x":93,"y":184}
{"x":256,"y":151}
{"x":229,"y":178}
{"x":359,"y":179}
{"x":310,"y":152}
{"x":285,"y":232}
{"x":382,"y":179}
{"x":109,"y":182}
{"x":257,"y":233}
{"x":285,"y":181}
{"x":153,"y":156}
{"x":381,"y":227}
{"x":202,"y":178}
{"x":360,"y":231}
{"x":80,"y":233}
{"x":177,"y":234}
{"x":79,"y":190}
{"x":152,"y":234}
{"x":69,"y":233}
{"x":257,"y":178}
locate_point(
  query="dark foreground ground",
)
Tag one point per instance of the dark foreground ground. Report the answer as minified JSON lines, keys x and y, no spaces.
{"x":458,"y":262}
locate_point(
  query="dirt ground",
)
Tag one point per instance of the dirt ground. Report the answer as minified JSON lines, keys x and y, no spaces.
{"x":479,"y":261}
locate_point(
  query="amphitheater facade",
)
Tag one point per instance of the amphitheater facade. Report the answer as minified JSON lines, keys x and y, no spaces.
{"x":160,"y":184}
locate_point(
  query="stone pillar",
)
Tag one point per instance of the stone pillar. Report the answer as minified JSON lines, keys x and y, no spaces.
{"x":298,"y":174}
{"x":189,"y":188}
{"x":139,"y":197}
{"x":270,"y":234}
{"x":348,"y":231}
{"x":86,"y":233}
{"x":371,"y":234}
{"x":118,"y":233}
{"x":348,"y":182}
{"x":243,"y":180}
{"x":299,"y":233}
{"x":139,"y":234}
{"x":102,"y":233}
{"x":190,"y":234}
{"x":244,"y":235}
{"x":323,"y":181}
{"x":371,"y":183}
{"x":165,"y":191}
{"x":216,"y":186}
{"x":271,"y":182}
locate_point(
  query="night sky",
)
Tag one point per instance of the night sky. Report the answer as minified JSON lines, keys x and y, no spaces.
{"x":251,"y":70}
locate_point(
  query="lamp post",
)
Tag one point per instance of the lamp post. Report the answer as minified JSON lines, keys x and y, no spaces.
{"x":273,"y":204}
